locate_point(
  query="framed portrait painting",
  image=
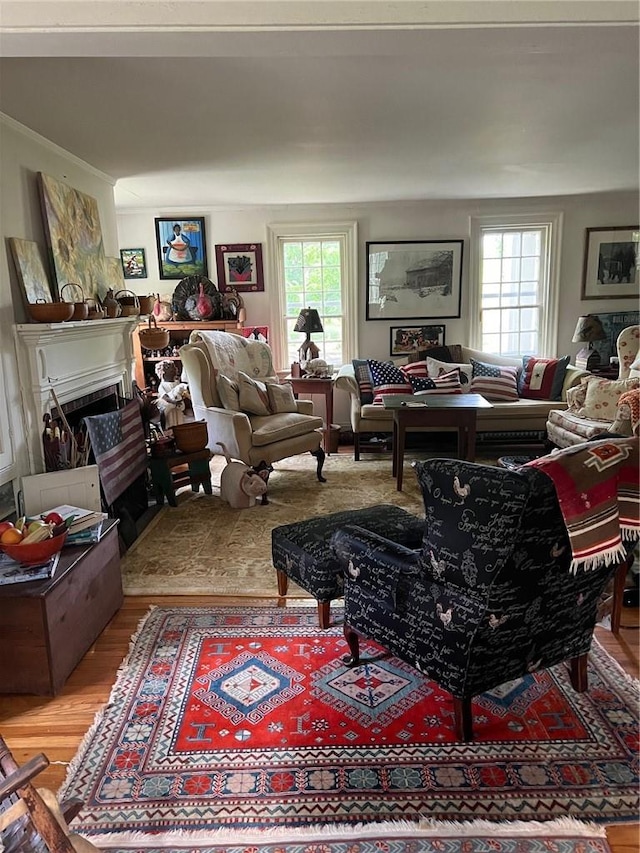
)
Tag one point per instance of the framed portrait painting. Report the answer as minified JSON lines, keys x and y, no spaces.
{"x":134,"y":264}
{"x":181,"y":245}
{"x":611,"y":263}
{"x":412,"y":279}
{"x":407,"y":339}
{"x":27,"y":258}
{"x":239,"y":267}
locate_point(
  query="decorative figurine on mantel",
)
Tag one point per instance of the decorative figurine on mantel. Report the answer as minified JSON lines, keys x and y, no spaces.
{"x":172,"y":394}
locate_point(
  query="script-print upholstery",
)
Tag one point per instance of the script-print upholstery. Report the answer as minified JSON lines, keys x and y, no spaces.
{"x":488,"y":597}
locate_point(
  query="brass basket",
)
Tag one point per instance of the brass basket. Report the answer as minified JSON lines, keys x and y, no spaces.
{"x":153,"y":337}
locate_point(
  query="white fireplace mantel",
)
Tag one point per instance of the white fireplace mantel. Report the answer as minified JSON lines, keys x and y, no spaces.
{"x":72,"y":360}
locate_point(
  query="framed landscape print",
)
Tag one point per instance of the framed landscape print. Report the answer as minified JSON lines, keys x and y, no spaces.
{"x":611,"y":263}
{"x":414,"y":279}
{"x":74,"y":236}
{"x":182,"y":248}
{"x":406,"y":339}
{"x":27,"y":258}
{"x":239,"y":267}
{"x":134,"y":264}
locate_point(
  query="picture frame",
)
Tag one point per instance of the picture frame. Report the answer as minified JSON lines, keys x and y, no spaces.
{"x":611,"y":263}
{"x":29,"y":264}
{"x":239,"y":267}
{"x":134,"y":263}
{"x":181,"y":246}
{"x":408,"y":339}
{"x":414,"y":279}
{"x":613,"y":323}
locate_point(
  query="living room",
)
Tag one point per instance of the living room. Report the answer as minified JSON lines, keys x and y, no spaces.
{"x":28,"y":722}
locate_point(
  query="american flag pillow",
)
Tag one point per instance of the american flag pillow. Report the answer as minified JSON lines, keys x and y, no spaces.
{"x":415,"y":368}
{"x":386,"y":378}
{"x":494,"y":381}
{"x":448,"y":383}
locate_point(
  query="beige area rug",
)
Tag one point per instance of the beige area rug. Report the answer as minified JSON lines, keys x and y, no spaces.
{"x":203,"y":547}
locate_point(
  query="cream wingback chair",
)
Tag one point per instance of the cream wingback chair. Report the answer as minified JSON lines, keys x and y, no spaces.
{"x":235,"y":389}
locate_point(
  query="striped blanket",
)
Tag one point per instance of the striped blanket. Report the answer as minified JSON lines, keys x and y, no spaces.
{"x":598,"y":490}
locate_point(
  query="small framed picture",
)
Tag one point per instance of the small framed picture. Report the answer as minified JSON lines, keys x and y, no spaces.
{"x":182,"y":248}
{"x":239,"y":267}
{"x":611,"y":263}
{"x":134,"y":264}
{"x":407,"y":339}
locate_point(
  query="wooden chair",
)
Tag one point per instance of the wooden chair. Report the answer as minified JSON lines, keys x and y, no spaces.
{"x":31,"y":821}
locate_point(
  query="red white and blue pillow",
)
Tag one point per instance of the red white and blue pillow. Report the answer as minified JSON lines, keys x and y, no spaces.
{"x":542,"y":378}
{"x":494,"y":381}
{"x":386,"y":378}
{"x":446,"y":383}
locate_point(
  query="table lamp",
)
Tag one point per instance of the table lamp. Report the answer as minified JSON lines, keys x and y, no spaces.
{"x":588,"y":329}
{"x":308,"y":321}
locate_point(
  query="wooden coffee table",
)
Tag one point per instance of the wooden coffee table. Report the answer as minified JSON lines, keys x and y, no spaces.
{"x":437,"y":410}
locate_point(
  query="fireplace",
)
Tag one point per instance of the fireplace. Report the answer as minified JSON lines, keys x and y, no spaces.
{"x":68,"y":364}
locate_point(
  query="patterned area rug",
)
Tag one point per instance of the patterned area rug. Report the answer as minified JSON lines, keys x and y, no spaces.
{"x":560,"y":836}
{"x":248,"y":718}
{"x":204,"y":547}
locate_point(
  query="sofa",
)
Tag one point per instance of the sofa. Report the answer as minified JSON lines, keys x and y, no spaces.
{"x":597,"y":405}
{"x":542,"y":385}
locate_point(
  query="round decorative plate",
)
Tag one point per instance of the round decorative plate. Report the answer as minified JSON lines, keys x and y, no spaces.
{"x":185,"y":297}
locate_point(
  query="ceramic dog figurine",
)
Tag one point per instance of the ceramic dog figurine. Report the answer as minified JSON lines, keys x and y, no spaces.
{"x":240,"y":485}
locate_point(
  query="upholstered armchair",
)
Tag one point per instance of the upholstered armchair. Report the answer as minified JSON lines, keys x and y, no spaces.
{"x":250,"y":416}
{"x":489,"y":596}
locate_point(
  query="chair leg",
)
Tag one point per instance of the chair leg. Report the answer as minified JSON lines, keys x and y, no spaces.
{"x":320,"y":456}
{"x":463,"y":722}
{"x":354,"y":646}
{"x":578,"y":672}
{"x":324,"y":614}
{"x":619,"y":580}
{"x":283,"y":582}
{"x":356,"y":447}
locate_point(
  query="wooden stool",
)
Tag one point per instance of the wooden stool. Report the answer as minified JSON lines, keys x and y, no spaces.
{"x":192,"y":469}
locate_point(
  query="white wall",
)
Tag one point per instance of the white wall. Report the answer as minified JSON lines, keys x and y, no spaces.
{"x":24,"y":154}
{"x":424,"y":220}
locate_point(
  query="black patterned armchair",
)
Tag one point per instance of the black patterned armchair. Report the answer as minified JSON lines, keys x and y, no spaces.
{"x":488,"y":598}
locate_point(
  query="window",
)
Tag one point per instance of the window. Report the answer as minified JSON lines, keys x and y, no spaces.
{"x":314,"y":266}
{"x":515,"y":284}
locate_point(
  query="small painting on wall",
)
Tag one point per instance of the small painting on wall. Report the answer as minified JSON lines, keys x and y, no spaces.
{"x":27,"y":258}
{"x":134,"y":264}
{"x":181,"y":246}
{"x":408,"y":339}
{"x":239,"y":267}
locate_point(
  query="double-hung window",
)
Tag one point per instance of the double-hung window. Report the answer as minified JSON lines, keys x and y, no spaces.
{"x":514,"y":293}
{"x":314,"y":266}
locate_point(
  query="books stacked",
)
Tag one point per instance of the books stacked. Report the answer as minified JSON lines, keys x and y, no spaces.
{"x":12,"y":571}
{"x":83,"y":525}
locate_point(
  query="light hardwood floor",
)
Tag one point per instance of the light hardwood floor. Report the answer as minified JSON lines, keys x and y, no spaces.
{"x":56,"y":726}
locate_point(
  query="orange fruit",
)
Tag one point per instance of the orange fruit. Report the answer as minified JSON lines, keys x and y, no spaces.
{"x":11,"y":536}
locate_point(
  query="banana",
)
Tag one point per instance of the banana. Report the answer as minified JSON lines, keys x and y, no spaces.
{"x":38,"y":535}
{"x":20,"y":523}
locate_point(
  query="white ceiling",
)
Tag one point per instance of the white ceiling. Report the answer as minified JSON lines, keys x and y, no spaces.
{"x":345,"y":115}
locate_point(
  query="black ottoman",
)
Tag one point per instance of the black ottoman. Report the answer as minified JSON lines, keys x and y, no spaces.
{"x":302,"y":550}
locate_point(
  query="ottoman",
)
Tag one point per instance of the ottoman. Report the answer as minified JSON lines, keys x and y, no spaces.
{"x":302,"y":551}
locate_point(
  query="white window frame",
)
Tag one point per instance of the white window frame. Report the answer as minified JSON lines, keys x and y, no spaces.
{"x":552,"y":223}
{"x":347,"y":234}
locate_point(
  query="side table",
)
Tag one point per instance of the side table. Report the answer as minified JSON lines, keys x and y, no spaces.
{"x":323,"y":386}
{"x":194,"y":471}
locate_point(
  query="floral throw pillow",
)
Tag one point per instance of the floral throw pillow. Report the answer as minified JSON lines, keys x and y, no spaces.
{"x":601,"y":399}
{"x":542,"y":378}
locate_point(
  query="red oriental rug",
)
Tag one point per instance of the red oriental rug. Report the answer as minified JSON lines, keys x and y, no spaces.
{"x":248,"y":718}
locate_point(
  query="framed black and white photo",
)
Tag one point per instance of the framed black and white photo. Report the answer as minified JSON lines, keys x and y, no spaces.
{"x":414,"y":279}
{"x":611,"y":263}
{"x":408,"y":339}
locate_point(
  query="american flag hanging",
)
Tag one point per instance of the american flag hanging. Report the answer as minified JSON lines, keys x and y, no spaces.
{"x":118,"y":444}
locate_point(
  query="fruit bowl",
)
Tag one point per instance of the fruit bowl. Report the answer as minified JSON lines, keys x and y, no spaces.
{"x":38,"y":552}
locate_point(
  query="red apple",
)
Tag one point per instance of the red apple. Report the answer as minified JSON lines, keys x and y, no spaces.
{"x":53,"y":518}
{"x":5,"y":525}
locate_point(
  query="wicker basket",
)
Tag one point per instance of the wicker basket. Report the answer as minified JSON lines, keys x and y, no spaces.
{"x":129,"y":303}
{"x":191,"y":436}
{"x":80,"y":307}
{"x":153,"y":337}
{"x":146,"y":304}
{"x":50,"y":312}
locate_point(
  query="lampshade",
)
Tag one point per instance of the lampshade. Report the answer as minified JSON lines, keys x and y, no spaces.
{"x":308,"y":321}
{"x":588,"y":329}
